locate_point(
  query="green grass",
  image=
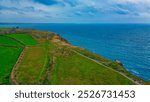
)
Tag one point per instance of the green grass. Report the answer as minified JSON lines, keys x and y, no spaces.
{"x":4,"y":40}
{"x":72,"y":68}
{"x":33,"y":66}
{"x":112,"y":64}
{"x":8,"y":57}
{"x":4,"y":28}
{"x":24,"y":38}
{"x":47,"y":62}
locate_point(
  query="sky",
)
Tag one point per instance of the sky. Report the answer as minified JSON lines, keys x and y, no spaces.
{"x":75,"y":11}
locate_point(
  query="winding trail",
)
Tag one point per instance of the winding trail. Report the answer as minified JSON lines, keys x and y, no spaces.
{"x":135,"y":82}
{"x":15,"y":68}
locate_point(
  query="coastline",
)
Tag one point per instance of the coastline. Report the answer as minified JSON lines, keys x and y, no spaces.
{"x":57,"y":39}
{"x":125,"y":42}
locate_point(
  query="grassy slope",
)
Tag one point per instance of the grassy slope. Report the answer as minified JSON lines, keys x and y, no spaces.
{"x":8,"y":57}
{"x":24,"y":38}
{"x":33,"y":66}
{"x":4,"y":40}
{"x":69,"y":68}
{"x":51,"y":63}
{"x":112,"y":64}
{"x":4,"y":28}
{"x":10,"y":50}
{"x":72,"y":68}
{"x":66,"y":68}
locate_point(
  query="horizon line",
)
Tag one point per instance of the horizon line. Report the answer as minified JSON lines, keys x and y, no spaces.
{"x":62,"y":23}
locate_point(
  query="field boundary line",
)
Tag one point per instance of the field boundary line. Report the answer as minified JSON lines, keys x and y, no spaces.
{"x":13,"y":39}
{"x":3,"y":45}
{"x":15,"y":68}
{"x":106,"y":67}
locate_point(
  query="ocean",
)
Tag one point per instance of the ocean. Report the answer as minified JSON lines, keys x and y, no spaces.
{"x":129,"y":43}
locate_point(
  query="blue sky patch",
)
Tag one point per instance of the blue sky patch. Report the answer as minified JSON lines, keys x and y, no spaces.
{"x":46,"y":2}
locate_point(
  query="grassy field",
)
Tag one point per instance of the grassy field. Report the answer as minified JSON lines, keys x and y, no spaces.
{"x":112,"y":64}
{"x":50,"y":59}
{"x":8,"y":57}
{"x":48,"y":63}
{"x":4,"y":40}
{"x":4,"y":28}
{"x":10,"y":49}
{"x":33,"y":65}
{"x":72,"y":68}
{"x":24,"y":38}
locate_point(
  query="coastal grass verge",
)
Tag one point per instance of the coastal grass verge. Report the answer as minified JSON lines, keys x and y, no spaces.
{"x":71,"y":68}
{"x":112,"y":64}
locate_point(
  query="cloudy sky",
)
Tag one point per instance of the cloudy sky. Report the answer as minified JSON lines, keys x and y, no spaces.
{"x":75,"y":11}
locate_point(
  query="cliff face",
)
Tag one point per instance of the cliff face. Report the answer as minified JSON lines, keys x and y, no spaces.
{"x":50,"y":59}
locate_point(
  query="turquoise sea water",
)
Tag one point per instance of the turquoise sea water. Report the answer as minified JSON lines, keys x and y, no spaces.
{"x":129,"y":43}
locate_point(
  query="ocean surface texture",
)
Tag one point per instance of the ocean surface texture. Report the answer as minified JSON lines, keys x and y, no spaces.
{"x":129,"y":43}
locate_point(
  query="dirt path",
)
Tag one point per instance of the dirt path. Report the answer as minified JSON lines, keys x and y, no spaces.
{"x":137,"y":83}
{"x":15,"y":68}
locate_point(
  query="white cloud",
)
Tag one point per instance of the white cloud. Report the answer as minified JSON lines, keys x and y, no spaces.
{"x":75,"y":10}
{"x":133,"y":1}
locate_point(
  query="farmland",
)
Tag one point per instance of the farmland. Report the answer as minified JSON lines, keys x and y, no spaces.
{"x":72,"y":68}
{"x":33,"y":64}
{"x":8,"y":57}
{"x":30,"y":57}
{"x":10,"y":50}
{"x":4,"y":40}
{"x":23,"y":38}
